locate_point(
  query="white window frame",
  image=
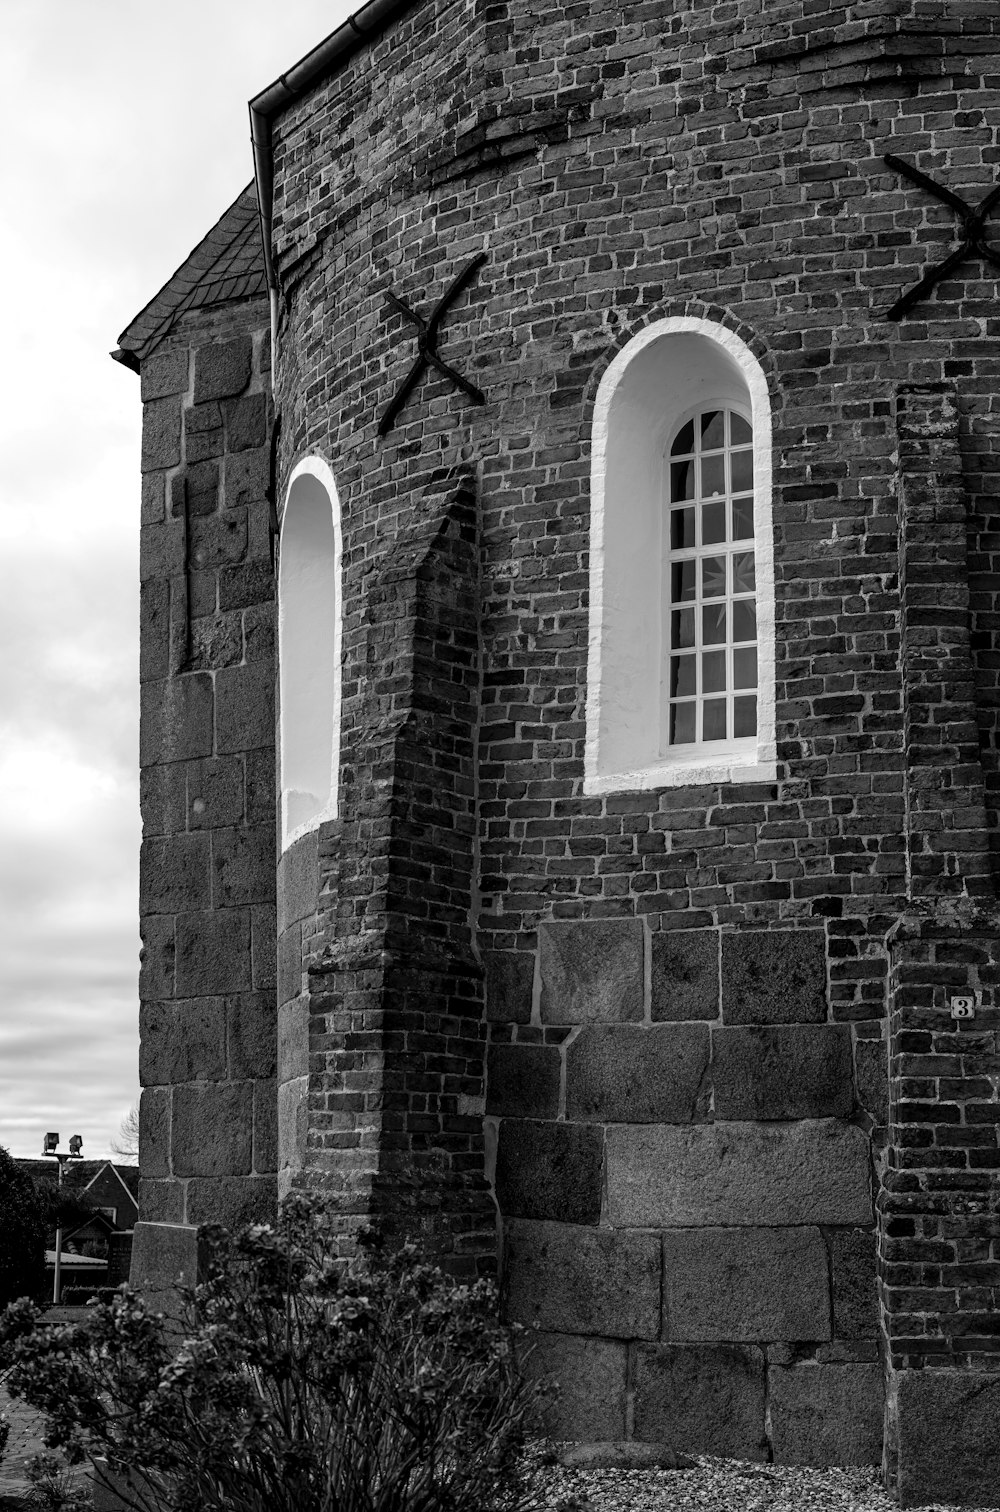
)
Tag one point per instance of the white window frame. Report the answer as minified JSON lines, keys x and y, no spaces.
{"x":737,"y":761}
{"x":295,"y":673}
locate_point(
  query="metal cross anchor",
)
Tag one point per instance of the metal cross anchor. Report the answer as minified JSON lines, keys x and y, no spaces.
{"x":427,"y":352}
{"x":973,"y":220}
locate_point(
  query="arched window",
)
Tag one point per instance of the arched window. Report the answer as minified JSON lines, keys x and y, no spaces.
{"x":309,"y":621}
{"x":681,"y":640}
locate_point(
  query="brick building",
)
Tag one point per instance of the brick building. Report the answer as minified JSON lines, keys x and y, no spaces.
{"x":605,"y":427}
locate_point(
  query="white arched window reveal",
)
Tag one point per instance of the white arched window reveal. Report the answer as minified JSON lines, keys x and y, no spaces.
{"x":680,"y":672}
{"x":309,"y":633}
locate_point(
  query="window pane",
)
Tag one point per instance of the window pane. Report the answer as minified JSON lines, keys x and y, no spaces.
{"x":713,"y":577}
{"x":682,"y":723}
{"x":682,"y":580}
{"x":744,"y":580}
{"x":743,"y":519}
{"x":713,"y":624}
{"x":740,"y":431}
{"x":745,"y":667}
{"x":744,"y":620}
{"x":713,"y":430}
{"x":681,"y":628}
{"x":745,"y":717}
{"x":713,"y":523}
{"x":714,"y":725}
{"x":681,"y":528}
{"x":713,"y":476}
{"x":713,"y":672}
{"x":683,"y":441}
{"x":742,"y":471}
{"x":681,"y":481}
{"x":682,"y":677}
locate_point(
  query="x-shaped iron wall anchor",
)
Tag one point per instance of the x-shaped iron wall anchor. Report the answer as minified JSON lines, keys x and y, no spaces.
{"x":427,"y":352}
{"x":973,"y":220}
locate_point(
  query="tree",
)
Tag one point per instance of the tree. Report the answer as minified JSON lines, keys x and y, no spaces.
{"x":22,"y":1233}
{"x":126,"y":1144}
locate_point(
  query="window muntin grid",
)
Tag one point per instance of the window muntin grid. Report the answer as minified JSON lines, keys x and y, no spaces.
{"x":710,"y":582}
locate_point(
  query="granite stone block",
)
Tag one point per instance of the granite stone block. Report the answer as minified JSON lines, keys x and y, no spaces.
{"x":213,"y":1129}
{"x":157,"y":958}
{"x":510,"y":977}
{"x":246,"y":477}
{"x":745,"y":1285}
{"x":731,"y":1174}
{"x":251,"y":1035}
{"x":785,"y":1072}
{"x":522,"y":1081}
{"x":232,"y":1201}
{"x":774,"y":976}
{"x":213,"y":952}
{"x":293,"y":1123}
{"x":246,"y":423}
{"x":871,"y":1070}
{"x":685,"y":975}
{"x":623,"y":1073}
{"x":591,"y":1374}
{"x":154,"y":629}
{"x":161,"y":434}
{"x":549,"y":1170}
{"x":219,"y":540}
{"x":214,"y":793}
{"x":945,"y":1425}
{"x":244,"y":708}
{"x":176,"y":719}
{"x":161,"y":551}
{"x":162,"y":1255}
{"x":164,"y":373}
{"x":591,"y":971}
{"x":154,"y":1131}
{"x":826,"y":1414}
{"x":573,"y":1280}
{"x":182,"y":1041}
{"x":705,"y":1399}
{"x":243,"y":864}
{"x":855,"y":1294}
{"x":263,"y":947}
{"x":161,"y":1201}
{"x":163,"y":799}
{"x":289,"y":945}
{"x":293,"y":1039}
{"x":174,"y":874}
{"x":298,"y":880}
{"x":222,"y":369}
{"x":265,"y":1127}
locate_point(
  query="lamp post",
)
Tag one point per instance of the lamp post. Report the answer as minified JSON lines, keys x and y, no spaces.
{"x":51,"y":1148}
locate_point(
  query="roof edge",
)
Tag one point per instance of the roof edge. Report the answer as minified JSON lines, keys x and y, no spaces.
{"x":360,"y":27}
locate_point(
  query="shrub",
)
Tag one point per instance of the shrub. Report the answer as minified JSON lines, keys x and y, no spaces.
{"x":79,"y":1296}
{"x":22,"y":1234}
{"x":297,"y":1386}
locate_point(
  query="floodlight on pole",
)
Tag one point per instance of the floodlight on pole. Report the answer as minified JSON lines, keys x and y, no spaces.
{"x":51,"y":1147}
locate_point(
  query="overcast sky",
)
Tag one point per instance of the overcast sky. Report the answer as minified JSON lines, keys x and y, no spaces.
{"x":125,"y":136}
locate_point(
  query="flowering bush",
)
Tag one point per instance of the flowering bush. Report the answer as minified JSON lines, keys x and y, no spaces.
{"x":293,"y":1383}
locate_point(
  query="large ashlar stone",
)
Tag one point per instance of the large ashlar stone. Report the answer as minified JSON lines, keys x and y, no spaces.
{"x":162,"y":1255}
{"x":685,"y":975}
{"x":946,"y":1427}
{"x":872,"y":1073}
{"x":591,"y":1373}
{"x":745,"y":1285}
{"x":522,"y":1081}
{"x":574,"y":1280}
{"x":591,"y":971}
{"x":550,"y":1170}
{"x":726,"y":1174}
{"x":623,"y":1073}
{"x":855,"y":1296}
{"x":774,"y":976}
{"x":706,"y":1399}
{"x":798,"y":1071}
{"x":212,"y":1129}
{"x":826,"y":1414}
{"x":510,"y":977}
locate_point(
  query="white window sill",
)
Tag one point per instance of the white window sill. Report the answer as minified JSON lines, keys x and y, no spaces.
{"x":685,"y":771}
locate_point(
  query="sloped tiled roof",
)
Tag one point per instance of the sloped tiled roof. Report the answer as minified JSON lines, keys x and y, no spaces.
{"x":227,"y":264}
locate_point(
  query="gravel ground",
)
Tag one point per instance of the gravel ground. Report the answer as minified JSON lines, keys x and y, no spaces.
{"x":718,"y":1485}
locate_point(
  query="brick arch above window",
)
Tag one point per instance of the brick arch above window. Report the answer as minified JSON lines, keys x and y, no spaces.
{"x":675,"y":372}
{"x":309,"y":649}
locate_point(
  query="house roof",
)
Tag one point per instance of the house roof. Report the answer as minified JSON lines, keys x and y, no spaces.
{"x":226,"y":264}
{"x":100,"y":1182}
